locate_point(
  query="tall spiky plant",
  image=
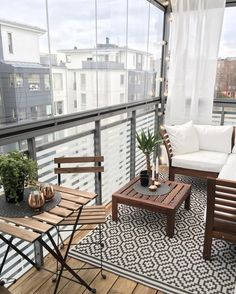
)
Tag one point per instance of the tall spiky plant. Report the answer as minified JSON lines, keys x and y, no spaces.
{"x":147,"y":143}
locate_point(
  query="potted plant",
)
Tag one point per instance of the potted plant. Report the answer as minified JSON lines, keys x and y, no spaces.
{"x":147,"y":143}
{"x":16,"y":172}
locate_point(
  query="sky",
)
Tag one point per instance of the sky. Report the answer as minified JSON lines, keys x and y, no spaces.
{"x":72,"y":23}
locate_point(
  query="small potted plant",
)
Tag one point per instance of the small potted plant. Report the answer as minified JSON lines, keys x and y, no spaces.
{"x":147,"y":143}
{"x":16,"y":172}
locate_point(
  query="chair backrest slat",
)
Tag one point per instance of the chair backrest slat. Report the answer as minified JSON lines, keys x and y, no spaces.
{"x":79,"y":159}
{"x":86,"y":169}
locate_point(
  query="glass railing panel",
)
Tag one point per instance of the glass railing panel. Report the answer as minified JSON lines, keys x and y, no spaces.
{"x":116,"y":151}
{"x":83,"y":146}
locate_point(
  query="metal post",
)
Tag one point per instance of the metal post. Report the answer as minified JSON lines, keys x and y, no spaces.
{"x":222,"y":117}
{"x":32,"y":148}
{"x":132,"y":144}
{"x":166,"y":30}
{"x":38,"y":250}
{"x":38,"y":254}
{"x":156,"y":130}
{"x":98,"y":151}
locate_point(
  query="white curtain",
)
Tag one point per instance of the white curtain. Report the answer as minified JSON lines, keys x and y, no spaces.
{"x":194,"y":42}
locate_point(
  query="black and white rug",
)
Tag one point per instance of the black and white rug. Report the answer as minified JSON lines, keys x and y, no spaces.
{"x":137,"y":247}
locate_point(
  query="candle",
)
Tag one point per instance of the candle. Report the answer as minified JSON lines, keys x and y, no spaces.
{"x":157,"y":166}
{"x":153,"y":171}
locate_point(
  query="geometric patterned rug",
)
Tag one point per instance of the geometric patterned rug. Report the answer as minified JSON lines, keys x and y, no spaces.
{"x":137,"y":247}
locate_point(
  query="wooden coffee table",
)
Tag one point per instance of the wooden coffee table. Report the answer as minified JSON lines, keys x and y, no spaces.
{"x":167,"y":204}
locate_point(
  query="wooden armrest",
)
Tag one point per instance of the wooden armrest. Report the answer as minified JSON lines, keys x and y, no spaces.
{"x":167,"y":144}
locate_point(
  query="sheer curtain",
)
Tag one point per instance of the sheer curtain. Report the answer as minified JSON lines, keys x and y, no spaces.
{"x":195,"y":37}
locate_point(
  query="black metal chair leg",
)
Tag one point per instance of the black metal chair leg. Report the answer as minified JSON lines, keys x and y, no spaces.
{"x":5,"y":256}
{"x":9,"y":243}
{"x":101,"y":248}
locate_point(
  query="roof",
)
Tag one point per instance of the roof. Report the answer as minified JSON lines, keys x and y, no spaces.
{"x":104,"y":49}
{"x":22,"y":26}
{"x":25,"y":64}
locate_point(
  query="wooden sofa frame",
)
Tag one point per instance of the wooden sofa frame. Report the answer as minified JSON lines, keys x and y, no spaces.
{"x":221,"y":213}
{"x":184,"y":171}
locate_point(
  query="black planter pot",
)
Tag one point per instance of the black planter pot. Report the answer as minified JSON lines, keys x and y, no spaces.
{"x":144,"y":178}
{"x":19,"y":193}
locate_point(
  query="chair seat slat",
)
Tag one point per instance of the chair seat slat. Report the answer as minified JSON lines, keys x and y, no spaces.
{"x":17,"y":232}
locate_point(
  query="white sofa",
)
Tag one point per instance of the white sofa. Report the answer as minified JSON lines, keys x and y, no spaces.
{"x":201,"y":150}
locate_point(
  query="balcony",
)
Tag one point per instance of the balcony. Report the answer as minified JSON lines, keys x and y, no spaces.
{"x":114,"y":80}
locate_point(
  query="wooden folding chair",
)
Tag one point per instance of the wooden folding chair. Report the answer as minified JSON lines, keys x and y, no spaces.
{"x":33,"y":231}
{"x":90,"y":215}
{"x":221,"y":213}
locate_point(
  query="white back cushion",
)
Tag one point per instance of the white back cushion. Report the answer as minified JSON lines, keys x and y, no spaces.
{"x":215,"y":138}
{"x":183,"y":138}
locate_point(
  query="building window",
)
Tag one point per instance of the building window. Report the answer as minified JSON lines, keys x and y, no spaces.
{"x":122,"y":97}
{"x":10,"y":46}
{"x":74,"y":84}
{"x":82,"y":82}
{"x":34,"y":82}
{"x":34,"y":111}
{"x":59,"y":107}
{"x":46,"y":82}
{"x":68,"y":58}
{"x":19,"y":81}
{"x":13,"y":113}
{"x":75,"y":103}
{"x":16,"y":80}
{"x":106,"y":57}
{"x":57,"y":81}
{"x":122,"y":80}
{"x":11,"y":80}
{"x":139,"y":63}
{"x":83,"y":101}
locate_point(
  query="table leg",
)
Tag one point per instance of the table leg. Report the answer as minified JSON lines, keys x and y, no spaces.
{"x":187,"y":203}
{"x":114,"y":209}
{"x":170,"y":228}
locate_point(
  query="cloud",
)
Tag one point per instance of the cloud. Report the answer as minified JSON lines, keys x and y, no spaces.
{"x":72,"y":23}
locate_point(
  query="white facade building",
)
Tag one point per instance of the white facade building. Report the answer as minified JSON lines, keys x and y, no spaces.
{"x":20,"y":42}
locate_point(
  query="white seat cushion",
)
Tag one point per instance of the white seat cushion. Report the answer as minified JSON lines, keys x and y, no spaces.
{"x":183,"y":138}
{"x":201,"y":160}
{"x":228,"y":171}
{"x":215,"y":138}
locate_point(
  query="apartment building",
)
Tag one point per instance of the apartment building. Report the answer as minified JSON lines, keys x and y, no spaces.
{"x":24,"y":82}
{"x":226,"y":78}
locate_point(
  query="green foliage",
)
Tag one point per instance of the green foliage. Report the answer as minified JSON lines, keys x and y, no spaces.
{"x":147,"y":142}
{"x":16,"y":171}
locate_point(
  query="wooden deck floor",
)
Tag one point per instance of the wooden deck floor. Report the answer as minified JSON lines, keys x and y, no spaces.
{"x":40,"y":282}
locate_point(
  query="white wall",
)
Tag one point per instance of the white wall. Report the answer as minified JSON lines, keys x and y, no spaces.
{"x":77,"y":58}
{"x":25,"y":45}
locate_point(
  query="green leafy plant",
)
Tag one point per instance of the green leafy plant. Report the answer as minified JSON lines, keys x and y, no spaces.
{"x":16,"y":172}
{"x":147,"y":144}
